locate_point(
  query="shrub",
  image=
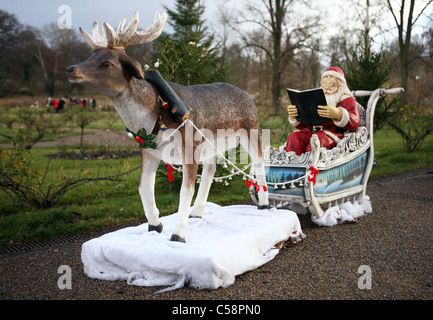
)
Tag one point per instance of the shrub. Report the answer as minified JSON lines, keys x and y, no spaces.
{"x":413,"y":124}
{"x":26,"y":183}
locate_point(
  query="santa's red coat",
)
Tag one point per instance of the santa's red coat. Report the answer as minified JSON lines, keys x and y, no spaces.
{"x":299,"y":141}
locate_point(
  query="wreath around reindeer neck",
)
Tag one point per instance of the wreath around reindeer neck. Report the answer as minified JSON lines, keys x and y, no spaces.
{"x":143,"y":139}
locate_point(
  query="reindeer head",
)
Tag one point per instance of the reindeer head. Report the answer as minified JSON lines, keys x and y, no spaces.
{"x":109,"y":70}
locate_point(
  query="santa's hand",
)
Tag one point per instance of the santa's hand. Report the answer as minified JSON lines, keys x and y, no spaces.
{"x":293,"y":111}
{"x":330,"y":112}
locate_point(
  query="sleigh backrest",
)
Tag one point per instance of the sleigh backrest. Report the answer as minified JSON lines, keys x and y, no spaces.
{"x":366,"y":114}
{"x":372,"y":102}
{"x":362,"y":115}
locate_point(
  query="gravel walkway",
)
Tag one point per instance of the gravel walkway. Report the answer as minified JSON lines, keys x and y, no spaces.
{"x":395,"y":242}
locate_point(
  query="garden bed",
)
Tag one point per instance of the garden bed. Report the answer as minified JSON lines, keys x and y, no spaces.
{"x":94,"y":155}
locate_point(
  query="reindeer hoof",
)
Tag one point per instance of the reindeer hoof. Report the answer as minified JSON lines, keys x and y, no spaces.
{"x":177,"y":238}
{"x":157,"y":228}
{"x":263,"y":207}
{"x":196,"y":217}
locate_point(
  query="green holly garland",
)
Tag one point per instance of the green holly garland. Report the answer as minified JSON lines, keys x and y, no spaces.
{"x":143,"y":139}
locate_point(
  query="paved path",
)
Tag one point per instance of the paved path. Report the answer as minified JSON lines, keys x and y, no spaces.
{"x":394,"y":242}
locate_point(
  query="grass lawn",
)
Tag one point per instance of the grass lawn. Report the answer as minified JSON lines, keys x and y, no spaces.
{"x":392,"y":158}
{"x":104,"y":203}
{"x":97,"y":204}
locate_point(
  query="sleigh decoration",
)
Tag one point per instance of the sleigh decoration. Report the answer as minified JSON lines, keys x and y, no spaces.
{"x":331,"y":184}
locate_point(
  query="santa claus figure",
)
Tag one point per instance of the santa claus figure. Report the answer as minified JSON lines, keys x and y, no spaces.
{"x":341,"y":108}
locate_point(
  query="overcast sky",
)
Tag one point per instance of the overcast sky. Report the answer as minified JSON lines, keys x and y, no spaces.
{"x":83,"y":12}
{"x":37,"y":13}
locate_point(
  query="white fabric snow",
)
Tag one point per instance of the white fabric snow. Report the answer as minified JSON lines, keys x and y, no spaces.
{"x":226,"y":242}
{"x":345,"y":212}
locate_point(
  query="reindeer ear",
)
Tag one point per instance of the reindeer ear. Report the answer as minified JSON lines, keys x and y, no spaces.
{"x":131,"y":67}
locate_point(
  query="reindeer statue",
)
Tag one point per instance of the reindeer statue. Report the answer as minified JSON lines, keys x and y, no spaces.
{"x":212,"y":107}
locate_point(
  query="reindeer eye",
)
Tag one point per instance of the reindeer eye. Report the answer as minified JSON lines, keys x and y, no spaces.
{"x":105,"y":64}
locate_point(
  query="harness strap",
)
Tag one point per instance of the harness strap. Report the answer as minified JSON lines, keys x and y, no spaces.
{"x":170,"y":100}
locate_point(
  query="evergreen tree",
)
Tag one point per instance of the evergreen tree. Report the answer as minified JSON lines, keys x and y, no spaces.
{"x":368,"y":70}
{"x":186,"y":18}
{"x":189,"y":56}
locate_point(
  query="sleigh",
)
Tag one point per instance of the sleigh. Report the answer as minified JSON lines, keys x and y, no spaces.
{"x":322,"y":178}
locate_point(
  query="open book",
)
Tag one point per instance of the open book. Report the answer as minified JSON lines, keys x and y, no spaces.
{"x":307,"y":102}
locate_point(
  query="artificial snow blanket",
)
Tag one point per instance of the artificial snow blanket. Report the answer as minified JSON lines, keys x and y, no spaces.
{"x":226,"y":242}
{"x":345,"y":212}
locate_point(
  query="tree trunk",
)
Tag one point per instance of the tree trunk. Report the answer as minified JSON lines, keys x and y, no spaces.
{"x":276,"y":89}
{"x":404,"y":42}
{"x":277,"y":17}
{"x":405,"y":47}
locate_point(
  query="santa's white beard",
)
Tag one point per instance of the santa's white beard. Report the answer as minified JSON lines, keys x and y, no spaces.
{"x":332,"y":99}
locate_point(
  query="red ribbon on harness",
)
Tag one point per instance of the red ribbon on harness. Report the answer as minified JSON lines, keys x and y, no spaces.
{"x":170,"y":171}
{"x":249,"y":183}
{"x":313,"y":174}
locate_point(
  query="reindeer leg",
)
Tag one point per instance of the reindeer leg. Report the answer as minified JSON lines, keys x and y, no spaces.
{"x":146,"y":188}
{"x":252,"y":144}
{"x":186,"y":194}
{"x":207,"y":176}
{"x":259,"y":170}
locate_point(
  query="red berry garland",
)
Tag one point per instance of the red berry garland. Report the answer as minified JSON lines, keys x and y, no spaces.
{"x":139,"y":139}
{"x":145,"y":140}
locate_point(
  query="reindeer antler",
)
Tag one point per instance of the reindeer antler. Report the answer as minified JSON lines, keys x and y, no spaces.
{"x":124,"y":37}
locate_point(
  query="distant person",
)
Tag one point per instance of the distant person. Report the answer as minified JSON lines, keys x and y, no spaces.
{"x":74,"y":100}
{"x":55,"y":104}
{"x":49,"y":102}
{"x":61,"y":104}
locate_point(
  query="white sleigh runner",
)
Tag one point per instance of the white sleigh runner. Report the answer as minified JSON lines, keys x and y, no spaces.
{"x":332,"y":184}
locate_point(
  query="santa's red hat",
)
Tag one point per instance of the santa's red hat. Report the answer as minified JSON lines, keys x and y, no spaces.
{"x":334,"y":72}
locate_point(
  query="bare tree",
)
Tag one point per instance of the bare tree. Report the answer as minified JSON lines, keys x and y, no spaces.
{"x":16,"y":53}
{"x":284,"y":36}
{"x":405,"y":26}
{"x":40,"y":48}
{"x":54,"y":49}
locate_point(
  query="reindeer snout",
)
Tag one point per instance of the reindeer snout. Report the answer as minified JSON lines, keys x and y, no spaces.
{"x":71,"y":69}
{"x":73,"y":75}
